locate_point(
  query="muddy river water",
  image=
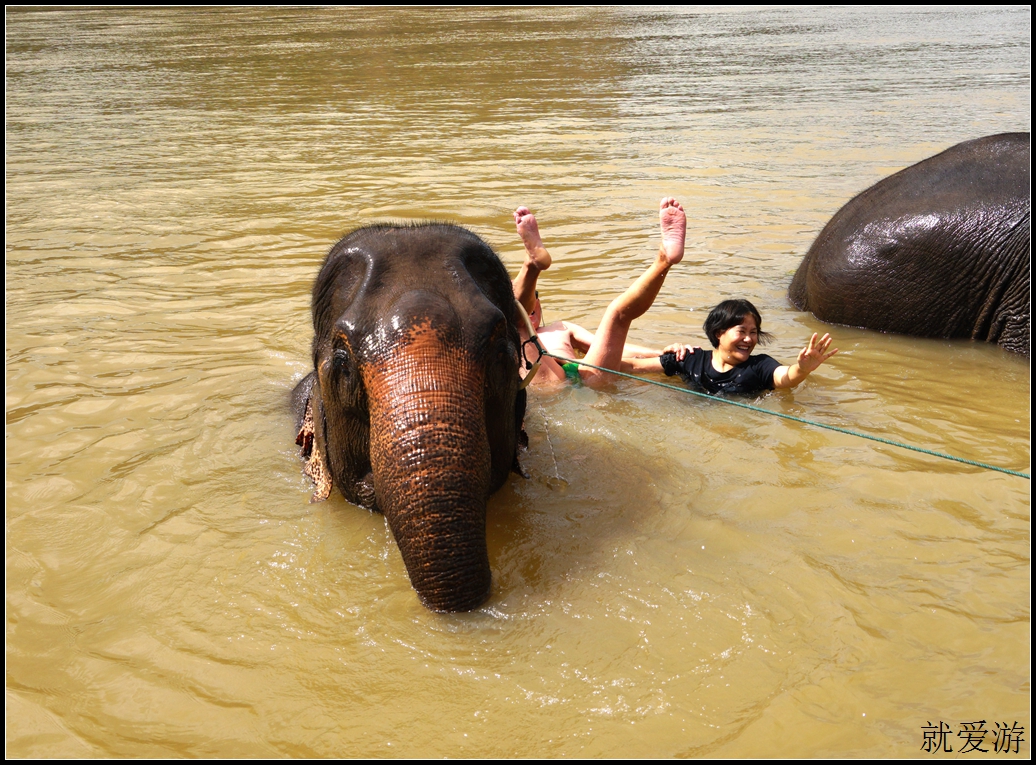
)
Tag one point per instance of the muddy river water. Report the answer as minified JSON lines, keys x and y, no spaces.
{"x":678,"y":577}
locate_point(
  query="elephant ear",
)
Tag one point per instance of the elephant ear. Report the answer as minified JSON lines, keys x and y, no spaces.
{"x":523,"y":437}
{"x":313,"y":448}
{"x":516,"y":467}
{"x":521,"y":446}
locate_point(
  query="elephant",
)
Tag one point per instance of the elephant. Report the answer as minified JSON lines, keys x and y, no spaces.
{"x":414,"y":406}
{"x":939,"y":249}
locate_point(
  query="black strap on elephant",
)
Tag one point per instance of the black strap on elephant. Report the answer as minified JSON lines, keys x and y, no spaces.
{"x":532,"y":366}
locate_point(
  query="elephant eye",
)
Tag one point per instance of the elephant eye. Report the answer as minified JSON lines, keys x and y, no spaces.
{"x":340,"y":360}
{"x":502,"y":351}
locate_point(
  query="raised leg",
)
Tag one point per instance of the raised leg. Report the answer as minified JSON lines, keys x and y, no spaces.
{"x":537,"y":258}
{"x":606,"y":349}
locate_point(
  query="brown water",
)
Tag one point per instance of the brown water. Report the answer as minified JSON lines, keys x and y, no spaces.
{"x":679,"y":577}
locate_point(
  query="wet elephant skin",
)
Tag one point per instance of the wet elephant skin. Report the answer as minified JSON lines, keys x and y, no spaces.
{"x":413,"y":407}
{"x":940,"y":249}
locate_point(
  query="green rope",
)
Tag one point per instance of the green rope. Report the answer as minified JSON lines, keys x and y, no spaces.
{"x":791,"y":417}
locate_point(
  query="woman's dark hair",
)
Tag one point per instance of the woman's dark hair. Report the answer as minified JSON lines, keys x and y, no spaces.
{"x":729,"y":314}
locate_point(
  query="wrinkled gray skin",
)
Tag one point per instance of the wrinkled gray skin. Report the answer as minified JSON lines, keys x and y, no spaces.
{"x":413,"y":407}
{"x":940,"y":249}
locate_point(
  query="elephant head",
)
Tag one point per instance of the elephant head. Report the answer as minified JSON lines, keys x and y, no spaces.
{"x":940,"y":249}
{"x":414,"y":408}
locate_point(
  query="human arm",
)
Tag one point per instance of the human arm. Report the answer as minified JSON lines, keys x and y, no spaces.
{"x":812,"y":356}
{"x":633,"y":351}
{"x":669,"y":361}
{"x":680,"y":350}
{"x":636,"y":366}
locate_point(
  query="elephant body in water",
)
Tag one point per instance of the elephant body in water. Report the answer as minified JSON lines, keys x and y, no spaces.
{"x":414,"y":408}
{"x":940,"y":249}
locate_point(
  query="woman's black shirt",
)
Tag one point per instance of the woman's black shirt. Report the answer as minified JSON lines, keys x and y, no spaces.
{"x":696,"y":369}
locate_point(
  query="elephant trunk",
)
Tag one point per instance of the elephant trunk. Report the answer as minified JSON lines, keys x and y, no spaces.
{"x":431,"y":462}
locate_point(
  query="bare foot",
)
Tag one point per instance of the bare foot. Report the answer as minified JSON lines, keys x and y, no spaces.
{"x":674,"y":228}
{"x":536,"y":254}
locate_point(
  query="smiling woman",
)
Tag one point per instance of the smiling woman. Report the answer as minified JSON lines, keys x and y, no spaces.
{"x":734,"y":328}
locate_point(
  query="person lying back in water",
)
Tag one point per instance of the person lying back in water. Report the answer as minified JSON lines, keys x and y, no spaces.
{"x":607,"y":346}
{"x":734,"y":327}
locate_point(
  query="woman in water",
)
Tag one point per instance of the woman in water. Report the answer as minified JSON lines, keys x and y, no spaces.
{"x":734,"y":328}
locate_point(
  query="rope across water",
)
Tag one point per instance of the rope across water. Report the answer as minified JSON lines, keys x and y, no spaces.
{"x":813,"y":423}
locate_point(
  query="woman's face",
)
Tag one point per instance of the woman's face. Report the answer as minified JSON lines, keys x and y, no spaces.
{"x":737,"y":343}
